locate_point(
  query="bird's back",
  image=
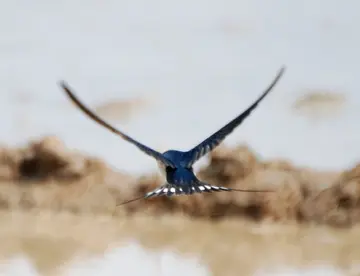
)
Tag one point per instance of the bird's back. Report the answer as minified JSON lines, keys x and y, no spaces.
{"x":176,"y":157}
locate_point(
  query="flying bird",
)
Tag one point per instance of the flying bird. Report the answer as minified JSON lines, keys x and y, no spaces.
{"x":177,"y":166}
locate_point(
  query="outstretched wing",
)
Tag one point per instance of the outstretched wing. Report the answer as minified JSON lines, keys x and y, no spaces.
{"x":157,"y":155}
{"x":214,"y":140}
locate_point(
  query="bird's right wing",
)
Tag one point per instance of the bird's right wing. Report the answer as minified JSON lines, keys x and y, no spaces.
{"x":215,"y":139}
{"x":157,"y":155}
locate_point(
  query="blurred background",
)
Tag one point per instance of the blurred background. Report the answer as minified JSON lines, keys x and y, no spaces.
{"x":170,"y":74}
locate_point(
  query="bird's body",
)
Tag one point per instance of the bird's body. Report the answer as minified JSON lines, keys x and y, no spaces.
{"x":182,"y":179}
{"x":177,"y":166}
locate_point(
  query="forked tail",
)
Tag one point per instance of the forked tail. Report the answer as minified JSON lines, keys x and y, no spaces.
{"x":200,"y":187}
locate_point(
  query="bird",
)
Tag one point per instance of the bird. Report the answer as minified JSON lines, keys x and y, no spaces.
{"x":175,"y":165}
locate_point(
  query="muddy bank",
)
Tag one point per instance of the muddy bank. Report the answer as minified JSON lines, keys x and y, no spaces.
{"x":45,"y":174}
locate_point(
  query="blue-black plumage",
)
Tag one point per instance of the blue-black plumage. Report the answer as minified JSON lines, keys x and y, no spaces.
{"x":177,"y":166}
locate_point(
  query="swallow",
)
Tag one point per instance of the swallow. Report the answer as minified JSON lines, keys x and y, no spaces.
{"x":177,"y":166}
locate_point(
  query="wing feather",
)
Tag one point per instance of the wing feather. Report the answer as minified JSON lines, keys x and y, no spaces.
{"x":155,"y":154}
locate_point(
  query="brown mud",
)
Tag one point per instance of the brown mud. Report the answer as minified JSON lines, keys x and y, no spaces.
{"x":45,"y":175}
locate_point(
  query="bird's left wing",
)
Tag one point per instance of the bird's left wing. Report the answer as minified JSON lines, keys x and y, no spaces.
{"x":157,"y":155}
{"x":214,"y":140}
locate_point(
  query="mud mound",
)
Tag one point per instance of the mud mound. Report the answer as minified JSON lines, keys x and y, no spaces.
{"x":47,"y":175}
{"x":44,"y":160}
{"x":338,"y":204}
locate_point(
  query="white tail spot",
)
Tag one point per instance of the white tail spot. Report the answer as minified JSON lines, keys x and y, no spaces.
{"x":172,"y":190}
{"x":201,"y":188}
{"x":149,"y":194}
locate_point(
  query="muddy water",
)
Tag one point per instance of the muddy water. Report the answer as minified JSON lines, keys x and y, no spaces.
{"x":57,"y":243}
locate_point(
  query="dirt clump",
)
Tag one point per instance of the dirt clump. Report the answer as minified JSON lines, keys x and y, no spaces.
{"x":47,"y":175}
{"x":44,"y":160}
